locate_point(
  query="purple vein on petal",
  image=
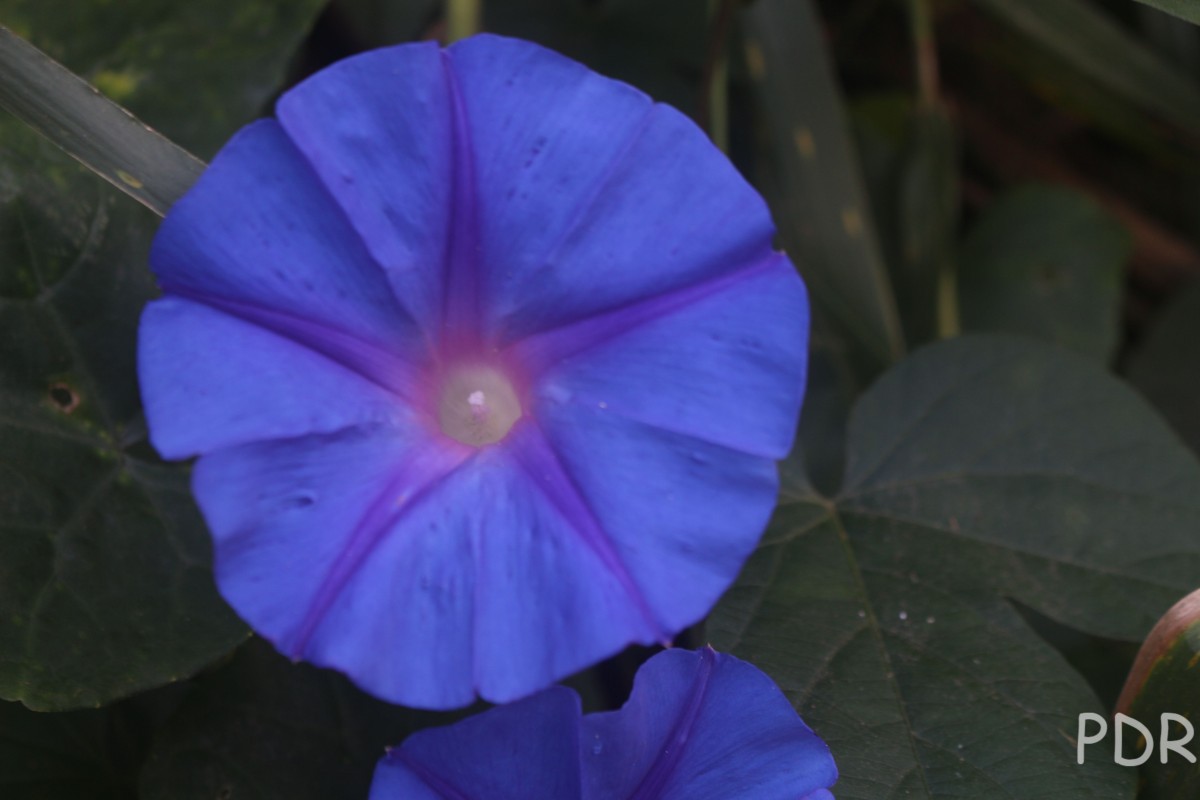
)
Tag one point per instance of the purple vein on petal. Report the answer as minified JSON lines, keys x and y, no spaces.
{"x":420,"y":474}
{"x":381,"y":367}
{"x":447,"y":790}
{"x":664,"y":766}
{"x":461,"y":312}
{"x":541,"y":351}
{"x":535,"y":455}
{"x":402,"y":308}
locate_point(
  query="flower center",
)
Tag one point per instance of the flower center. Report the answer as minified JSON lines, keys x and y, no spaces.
{"x":477,"y":405}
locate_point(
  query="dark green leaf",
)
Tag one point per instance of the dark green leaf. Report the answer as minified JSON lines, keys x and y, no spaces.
{"x":264,"y":728}
{"x":1104,"y":663}
{"x":105,"y":587}
{"x":822,"y":210}
{"x":1097,"y":46}
{"x":980,"y":469}
{"x":100,"y":134}
{"x":1046,"y":262}
{"x":1166,"y":365}
{"x":105,"y":583}
{"x":1163,"y":681}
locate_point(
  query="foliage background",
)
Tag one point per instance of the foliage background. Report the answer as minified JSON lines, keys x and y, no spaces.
{"x":995,"y":492}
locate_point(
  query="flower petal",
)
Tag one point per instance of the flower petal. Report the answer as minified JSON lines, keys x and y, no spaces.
{"x":210,"y":380}
{"x":589,"y":196}
{"x":552,"y":599}
{"x":696,"y":725}
{"x":259,"y":237}
{"x":681,"y":513}
{"x":424,"y":577}
{"x":378,"y":129}
{"x":296,"y":521}
{"x":527,"y":750}
{"x":723,"y":363}
{"x":480,"y":586}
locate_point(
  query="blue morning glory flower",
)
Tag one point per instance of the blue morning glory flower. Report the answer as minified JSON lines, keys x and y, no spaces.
{"x":487,"y":360}
{"x":698,"y":726}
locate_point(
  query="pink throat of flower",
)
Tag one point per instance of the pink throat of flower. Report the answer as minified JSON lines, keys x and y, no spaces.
{"x":476,"y":404}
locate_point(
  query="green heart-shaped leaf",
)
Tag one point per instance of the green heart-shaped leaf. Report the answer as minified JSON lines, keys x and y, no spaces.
{"x":980,"y":469}
{"x":105,"y":586}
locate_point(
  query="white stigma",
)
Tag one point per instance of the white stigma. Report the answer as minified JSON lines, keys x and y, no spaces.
{"x":477,"y":405}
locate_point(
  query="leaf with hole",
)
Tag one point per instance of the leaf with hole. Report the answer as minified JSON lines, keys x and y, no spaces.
{"x":105,"y":583}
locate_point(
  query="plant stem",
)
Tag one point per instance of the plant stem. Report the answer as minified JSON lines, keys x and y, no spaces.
{"x":714,"y":89}
{"x":463,"y":18}
{"x":925,"y":62}
{"x":924,"y":52}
